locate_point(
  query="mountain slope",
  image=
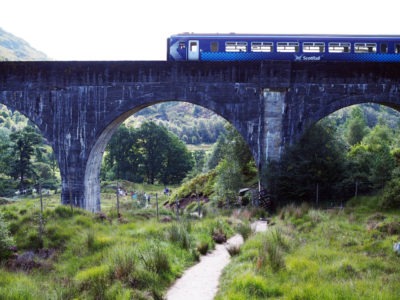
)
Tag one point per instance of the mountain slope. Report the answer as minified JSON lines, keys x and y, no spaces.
{"x":14,"y":48}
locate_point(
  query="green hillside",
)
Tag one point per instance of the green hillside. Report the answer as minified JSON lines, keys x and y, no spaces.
{"x":14,"y":48}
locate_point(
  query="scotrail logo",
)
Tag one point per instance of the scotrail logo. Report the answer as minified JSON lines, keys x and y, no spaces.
{"x":307,"y":58}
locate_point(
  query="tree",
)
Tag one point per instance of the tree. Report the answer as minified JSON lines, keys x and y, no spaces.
{"x":149,"y":152}
{"x":123,"y":157}
{"x":372,"y":159}
{"x":178,"y":161}
{"x":235,"y":165}
{"x":152,"y":140}
{"x":228,"y":181}
{"x":316,"y":162}
{"x":356,"y":127}
{"x":23,"y":147}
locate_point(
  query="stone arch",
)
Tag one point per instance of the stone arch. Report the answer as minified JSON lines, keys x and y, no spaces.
{"x":326,"y":111}
{"x":93,"y":166}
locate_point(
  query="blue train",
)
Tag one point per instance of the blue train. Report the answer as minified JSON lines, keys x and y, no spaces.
{"x":252,"y":47}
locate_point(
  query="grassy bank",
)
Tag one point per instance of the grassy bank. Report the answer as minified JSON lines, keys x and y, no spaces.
{"x":97,"y":256}
{"x":314,"y":254}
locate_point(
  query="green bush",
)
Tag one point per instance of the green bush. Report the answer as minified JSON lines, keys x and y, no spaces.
{"x":122,"y":262}
{"x":30,"y":240}
{"x":244,"y":229}
{"x":202,"y":247}
{"x":177,"y":233}
{"x":391,"y":195}
{"x":56,"y":236}
{"x":63,"y":211}
{"x":233,"y":250}
{"x":155,"y":259}
{"x":6,"y":241}
{"x":94,"y":280}
{"x":254,"y":286}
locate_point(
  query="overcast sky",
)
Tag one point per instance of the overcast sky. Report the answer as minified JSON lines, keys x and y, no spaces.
{"x":138,"y":29}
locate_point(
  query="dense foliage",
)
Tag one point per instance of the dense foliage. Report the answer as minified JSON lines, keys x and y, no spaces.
{"x":26,"y":161}
{"x":335,"y":161}
{"x":148,"y":153}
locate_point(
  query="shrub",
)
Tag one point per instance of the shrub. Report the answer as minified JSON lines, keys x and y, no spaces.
{"x":391,"y":195}
{"x":55,"y":236}
{"x":90,"y":240}
{"x":6,"y":241}
{"x":30,"y":241}
{"x":122,"y":262}
{"x":202,"y":247}
{"x":117,"y":291}
{"x":244,"y":229}
{"x":178,"y":234}
{"x":255,"y":286}
{"x":155,"y":260}
{"x":94,"y":279}
{"x":271,"y":251}
{"x":63,"y":211}
{"x":233,"y":250}
{"x":219,"y":230}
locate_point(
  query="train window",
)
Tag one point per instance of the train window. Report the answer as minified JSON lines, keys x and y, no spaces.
{"x":364,"y":47}
{"x":397,"y":48}
{"x":236,"y":46}
{"x":287,"y":47}
{"x":214,"y":46}
{"x":339,"y":47}
{"x":384,"y":48}
{"x":316,"y":47}
{"x":262,"y":47}
{"x":193,"y":46}
{"x":182,"y":45}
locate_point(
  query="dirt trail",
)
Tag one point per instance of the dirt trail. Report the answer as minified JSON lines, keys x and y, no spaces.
{"x":200,"y":282}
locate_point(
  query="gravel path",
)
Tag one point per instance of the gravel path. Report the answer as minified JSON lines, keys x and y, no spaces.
{"x":200,"y":282}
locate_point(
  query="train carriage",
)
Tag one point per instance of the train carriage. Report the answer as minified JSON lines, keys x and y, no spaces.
{"x":251,"y":47}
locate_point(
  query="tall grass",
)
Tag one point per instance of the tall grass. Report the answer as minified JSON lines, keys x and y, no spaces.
{"x":100,"y":258}
{"x":314,"y":254}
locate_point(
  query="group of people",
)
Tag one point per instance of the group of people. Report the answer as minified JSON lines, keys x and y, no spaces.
{"x":140,"y":197}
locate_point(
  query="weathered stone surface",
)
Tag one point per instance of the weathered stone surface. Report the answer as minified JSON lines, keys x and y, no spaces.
{"x":79,"y":105}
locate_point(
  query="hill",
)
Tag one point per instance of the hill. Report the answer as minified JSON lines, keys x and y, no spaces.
{"x":14,"y":48}
{"x":191,"y":123}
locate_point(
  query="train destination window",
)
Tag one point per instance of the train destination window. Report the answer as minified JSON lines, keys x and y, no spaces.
{"x":287,"y":47}
{"x":315,"y":47}
{"x":364,"y":47}
{"x":339,"y":47}
{"x":262,"y":47}
{"x":214,"y":46}
{"x":236,"y":46}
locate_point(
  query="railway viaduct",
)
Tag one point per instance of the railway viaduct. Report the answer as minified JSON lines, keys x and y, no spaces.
{"x":78,"y":105}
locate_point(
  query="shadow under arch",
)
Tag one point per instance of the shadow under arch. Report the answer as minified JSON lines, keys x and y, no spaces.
{"x":93,"y":167}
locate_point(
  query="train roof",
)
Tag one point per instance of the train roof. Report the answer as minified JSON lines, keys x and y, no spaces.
{"x":283,"y":36}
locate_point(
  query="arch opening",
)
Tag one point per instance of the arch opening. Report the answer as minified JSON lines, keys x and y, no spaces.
{"x":350,"y":152}
{"x":93,"y":169}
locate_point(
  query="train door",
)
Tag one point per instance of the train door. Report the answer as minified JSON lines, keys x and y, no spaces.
{"x":193,"y":50}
